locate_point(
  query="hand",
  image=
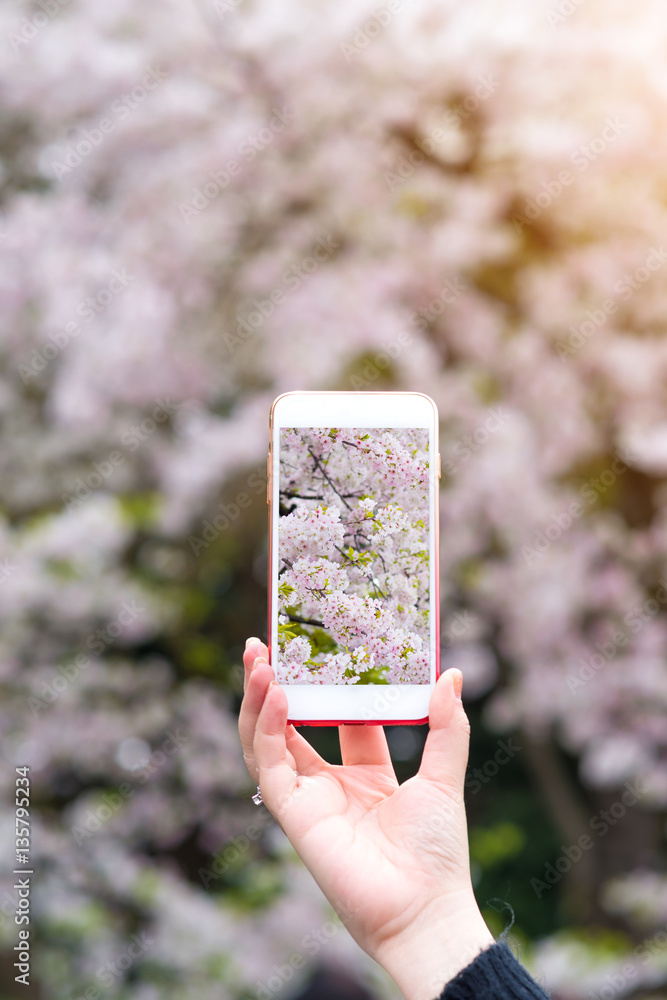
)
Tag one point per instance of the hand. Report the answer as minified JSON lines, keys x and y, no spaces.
{"x":391,"y":859}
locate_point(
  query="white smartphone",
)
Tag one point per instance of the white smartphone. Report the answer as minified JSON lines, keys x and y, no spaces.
{"x":353,"y":555}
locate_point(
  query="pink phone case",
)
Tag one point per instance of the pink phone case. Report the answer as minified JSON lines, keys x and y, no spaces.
{"x":435,"y":605}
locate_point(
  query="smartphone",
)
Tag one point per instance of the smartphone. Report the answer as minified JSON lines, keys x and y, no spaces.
{"x":353,"y":555}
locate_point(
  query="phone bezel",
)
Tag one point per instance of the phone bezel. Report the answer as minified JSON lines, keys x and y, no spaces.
{"x":328,"y":705}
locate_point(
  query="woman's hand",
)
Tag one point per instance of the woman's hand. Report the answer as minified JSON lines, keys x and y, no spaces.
{"x":391,"y":859}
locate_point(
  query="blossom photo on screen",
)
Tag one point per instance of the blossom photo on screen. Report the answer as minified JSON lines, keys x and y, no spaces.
{"x":353,"y":556}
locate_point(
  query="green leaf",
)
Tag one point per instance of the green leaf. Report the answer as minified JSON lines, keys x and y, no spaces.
{"x":376,"y":675}
{"x":141,"y":510}
{"x":200,"y":655}
{"x":291,"y":609}
{"x":495,"y":844}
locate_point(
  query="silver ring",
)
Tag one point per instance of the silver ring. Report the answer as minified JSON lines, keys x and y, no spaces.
{"x":257,"y":797}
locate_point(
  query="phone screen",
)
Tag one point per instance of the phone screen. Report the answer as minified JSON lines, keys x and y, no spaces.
{"x":353,"y":556}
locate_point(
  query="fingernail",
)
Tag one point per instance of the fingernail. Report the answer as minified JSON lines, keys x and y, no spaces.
{"x":457,"y":683}
{"x":255,"y":663}
{"x":253,"y":638}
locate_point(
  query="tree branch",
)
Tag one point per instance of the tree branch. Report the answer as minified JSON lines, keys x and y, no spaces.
{"x":305,"y":621}
{"x":569,"y":815}
{"x":318,"y":465}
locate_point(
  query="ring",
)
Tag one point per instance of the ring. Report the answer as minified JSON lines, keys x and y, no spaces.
{"x":257,"y":797}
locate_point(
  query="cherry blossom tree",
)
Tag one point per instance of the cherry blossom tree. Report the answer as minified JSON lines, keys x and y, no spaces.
{"x":353,"y":550}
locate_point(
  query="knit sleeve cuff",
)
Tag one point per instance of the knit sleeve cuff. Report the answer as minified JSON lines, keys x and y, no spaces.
{"x":494,"y":975}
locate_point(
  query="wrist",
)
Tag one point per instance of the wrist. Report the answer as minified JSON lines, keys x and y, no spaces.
{"x":438,"y":944}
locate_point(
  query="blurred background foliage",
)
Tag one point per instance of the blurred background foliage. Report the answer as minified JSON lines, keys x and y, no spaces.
{"x":204,"y":204}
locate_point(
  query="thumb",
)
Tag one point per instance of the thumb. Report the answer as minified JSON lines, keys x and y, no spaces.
{"x":446,"y":750}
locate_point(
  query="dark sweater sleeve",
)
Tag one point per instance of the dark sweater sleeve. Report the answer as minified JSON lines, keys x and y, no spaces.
{"x":494,"y":975}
